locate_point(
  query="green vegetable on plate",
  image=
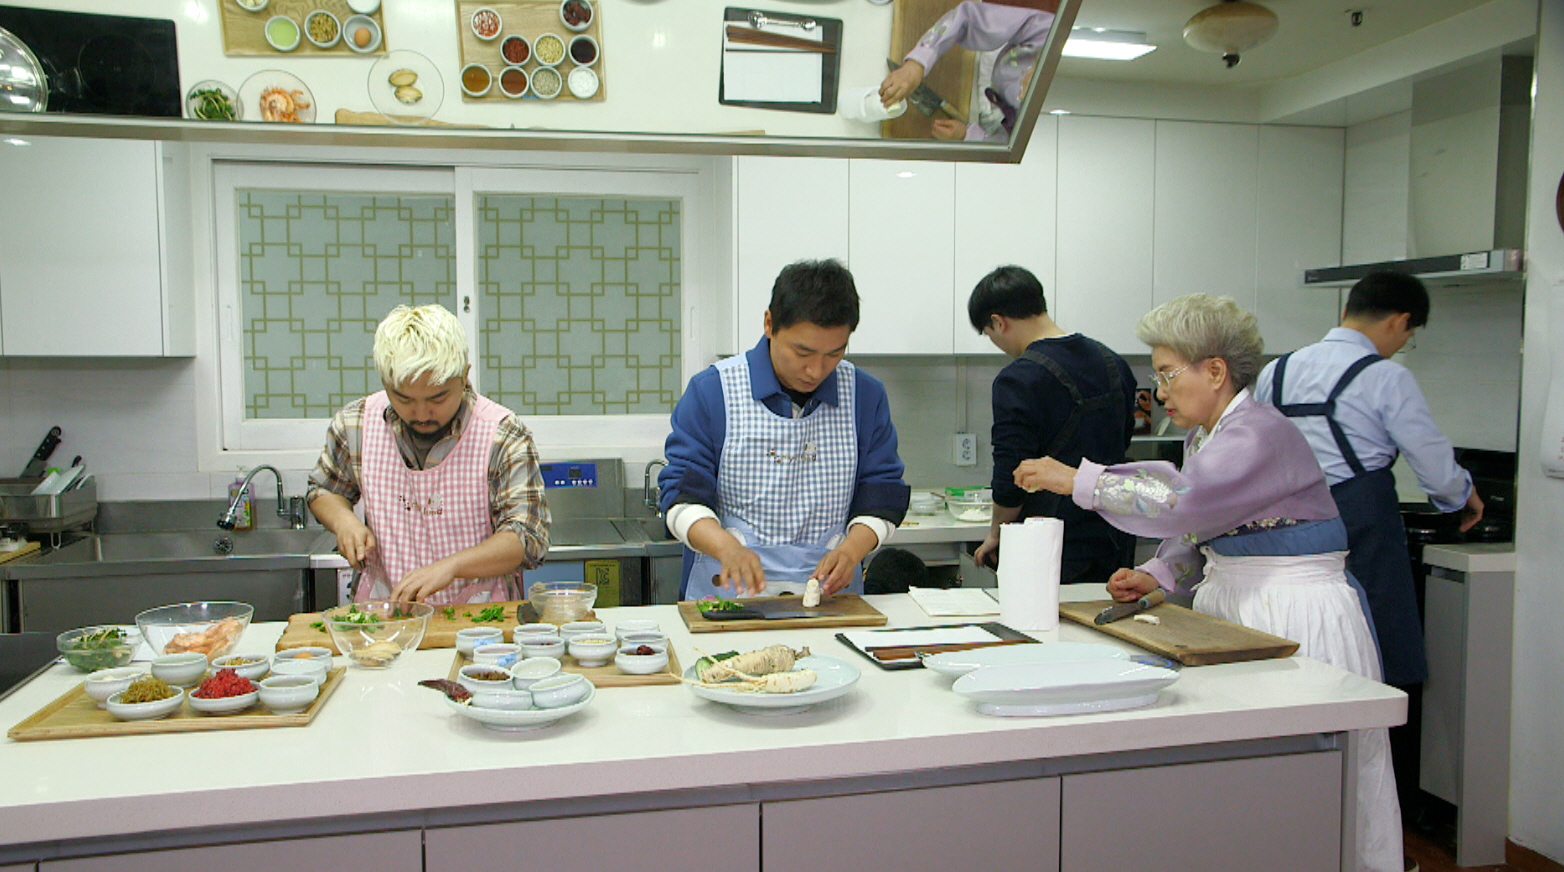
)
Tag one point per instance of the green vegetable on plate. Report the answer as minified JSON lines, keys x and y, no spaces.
{"x":211,"y":104}
{"x":706,"y":663}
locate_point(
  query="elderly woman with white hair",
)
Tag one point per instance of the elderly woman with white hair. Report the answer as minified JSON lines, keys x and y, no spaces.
{"x":1247,"y":522}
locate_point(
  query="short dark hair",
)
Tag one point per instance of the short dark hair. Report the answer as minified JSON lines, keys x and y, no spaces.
{"x":894,"y":570}
{"x":818,"y":292}
{"x":1387,"y":292}
{"x":1010,"y":291}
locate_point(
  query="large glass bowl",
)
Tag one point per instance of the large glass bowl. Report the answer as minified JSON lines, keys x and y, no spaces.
{"x":374,"y":634}
{"x":211,"y":627}
{"x":92,"y":648}
{"x":560,"y":602}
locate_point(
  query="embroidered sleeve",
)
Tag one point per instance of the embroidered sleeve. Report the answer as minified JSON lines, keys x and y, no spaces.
{"x":1140,"y":493}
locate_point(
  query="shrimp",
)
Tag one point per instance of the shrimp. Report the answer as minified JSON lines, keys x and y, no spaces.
{"x":281,"y":104}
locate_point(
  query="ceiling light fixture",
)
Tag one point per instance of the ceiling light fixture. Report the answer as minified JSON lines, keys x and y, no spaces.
{"x":1100,"y":43}
{"x":1229,"y":28}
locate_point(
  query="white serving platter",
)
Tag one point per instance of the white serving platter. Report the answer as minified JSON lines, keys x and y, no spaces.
{"x":1064,"y":687}
{"x":836,"y":678}
{"x":959,"y":663}
{"x":523,"y":719}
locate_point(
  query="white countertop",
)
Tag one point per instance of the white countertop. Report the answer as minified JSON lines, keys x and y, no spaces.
{"x":941,"y":527}
{"x":1472,"y":557}
{"x":382,"y":744}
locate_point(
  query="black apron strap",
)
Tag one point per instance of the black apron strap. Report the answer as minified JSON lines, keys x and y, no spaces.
{"x":1327,"y":409}
{"x":1080,"y":405}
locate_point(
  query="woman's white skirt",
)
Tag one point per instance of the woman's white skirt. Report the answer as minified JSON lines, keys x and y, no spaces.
{"x":1306,"y":598}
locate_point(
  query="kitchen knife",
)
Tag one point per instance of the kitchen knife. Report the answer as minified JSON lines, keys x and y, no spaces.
{"x":925,"y":100}
{"x":750,"y":36}
{"x":1123,"y":610}
{"x":51,"y":441}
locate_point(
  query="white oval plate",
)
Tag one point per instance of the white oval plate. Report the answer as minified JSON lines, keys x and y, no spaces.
{"x":523,"y":719}
{"x":959,"y":663}
{"x":382,"y":94}
{"x":836,"y":677}
{"x":250,"y":94}
{"x":1064,"y":687}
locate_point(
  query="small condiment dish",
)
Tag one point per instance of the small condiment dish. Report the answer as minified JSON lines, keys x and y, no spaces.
{"x":513,"y":84}
{"x":549,"y":49}
{"x":145,"y":711}
{"x":515,"y":50}
{"x":533,"y":670}
{"x":582,"y":83}
{"x":636,"y":625}
{"x":180,"y":670}
{"x":364,"y":7}
{"x":283,"y":33}
{"x":311,"y":662}
{"x":486,"y":23}
{"x":560,"y":690}
{"x":223,"y":705}
{"x":500,"y":654}
{"x":583,"y":50}
{"x":252,"y":5}
{"x":632,"y":663}
{"x":328,"y":25}
{"x":538,"y":636}
{"x":510,"y":700}
{"x":473,"y":677}
{"x":288,"y":694}
{"x":548,"y":629}
{"x":576,"y":15}
{"x":653,"y":638}
{"x":251,"y":666}
{"x":547,"y":82}
{"x":104,"y":683}
{"x":580,"y":628}
{"x":543,"y":647}
{"x":476,"y":81}
{"x":361,"y":27}
{"x":592,"y":650}
{"x":469,"y":639}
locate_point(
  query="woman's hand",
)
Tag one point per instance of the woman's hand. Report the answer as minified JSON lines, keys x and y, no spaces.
{"x":1128,"y":585}
{"x":949,"y":130}
{"x":901,"y":82}
{"x":1045,"y":473}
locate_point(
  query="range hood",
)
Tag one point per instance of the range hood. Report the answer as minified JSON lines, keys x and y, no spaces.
{"x":1466,"y":192}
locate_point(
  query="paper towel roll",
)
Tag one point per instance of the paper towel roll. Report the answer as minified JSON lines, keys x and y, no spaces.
{"x":1029,"y":555}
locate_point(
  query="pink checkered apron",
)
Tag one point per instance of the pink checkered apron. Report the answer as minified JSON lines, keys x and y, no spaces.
{"x":419,"y":516}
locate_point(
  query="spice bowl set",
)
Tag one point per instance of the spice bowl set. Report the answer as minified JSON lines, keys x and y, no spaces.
{"x":536,"y":50}
{"x":226,"y":685}
{"x":332,"y":26}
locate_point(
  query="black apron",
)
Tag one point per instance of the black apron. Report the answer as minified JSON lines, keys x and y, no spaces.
{"x":1376,"y":538}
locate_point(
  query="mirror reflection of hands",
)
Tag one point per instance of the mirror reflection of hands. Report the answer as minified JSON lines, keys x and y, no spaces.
{"x":949,"y":130}
{"x":901,"y":83}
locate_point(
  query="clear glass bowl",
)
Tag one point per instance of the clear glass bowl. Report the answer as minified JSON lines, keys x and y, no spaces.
{"x":560,"y":602}
{"x":212,"y":627}
{"x":970,"y":509}
{"x":374,"y":634}
{"x":92,"y":648}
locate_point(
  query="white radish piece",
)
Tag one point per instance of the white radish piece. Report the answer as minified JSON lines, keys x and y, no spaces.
{"x":812,"y":593}
{"x":763,"y":661}
{"x":776,"y":682}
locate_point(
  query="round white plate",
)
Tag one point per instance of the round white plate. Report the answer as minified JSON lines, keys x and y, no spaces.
{"x":383,"y":94}
{"x":1064,"y":687}
{"x":524,"y":719}
{"x":251,"y":91}
{"x":836,"y":677}
{"x":959,"y":663}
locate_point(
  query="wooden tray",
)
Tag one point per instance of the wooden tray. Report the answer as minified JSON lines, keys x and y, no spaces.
{"x":26,"y":549}
{"x":531,"y":19}
{"x":441,"y":632}
{"x":244,"y":32}
{"x":76,"y":716}
{"x":607,"y":675}
{"x":1187,"y":636}
{"x":845,"y":610}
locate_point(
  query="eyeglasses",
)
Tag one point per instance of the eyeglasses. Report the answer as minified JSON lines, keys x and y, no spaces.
{"x":1165,"y":379}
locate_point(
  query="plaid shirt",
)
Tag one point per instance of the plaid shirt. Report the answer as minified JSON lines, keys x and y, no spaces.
{"x":516,"y":500}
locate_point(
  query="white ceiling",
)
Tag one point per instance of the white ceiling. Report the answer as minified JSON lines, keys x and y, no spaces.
{"x":1312,"y":33}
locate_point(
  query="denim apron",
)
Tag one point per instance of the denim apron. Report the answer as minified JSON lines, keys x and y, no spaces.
{"x":784,"y":484}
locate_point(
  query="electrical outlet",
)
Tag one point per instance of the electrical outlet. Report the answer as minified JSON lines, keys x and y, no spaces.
{"x":965,"y":449}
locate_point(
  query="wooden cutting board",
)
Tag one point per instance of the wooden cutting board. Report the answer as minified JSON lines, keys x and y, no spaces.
{"x":951,"y":78}
{"x":1187,"y":636}
{"x":441,"y":632}
{"x":842,"y":610}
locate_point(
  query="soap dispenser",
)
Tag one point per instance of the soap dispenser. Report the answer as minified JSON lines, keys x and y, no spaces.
{"x":244,"y":514}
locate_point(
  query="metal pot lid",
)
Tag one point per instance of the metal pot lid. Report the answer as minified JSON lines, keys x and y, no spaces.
{"x":23,"y":85}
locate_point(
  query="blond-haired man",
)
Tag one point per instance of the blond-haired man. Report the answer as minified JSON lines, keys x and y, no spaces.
{"x":453,"y":501}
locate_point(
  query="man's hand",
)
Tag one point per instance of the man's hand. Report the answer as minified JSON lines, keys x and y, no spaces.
{"x":902,"y":81}
{"x":355,"y":542}
{"x":1047,"y":474}
{"x":835,"y":569}
{"x":989,"y":548}
{"x":1128,"y":585}
{"x":741,"y":569}
{"x":949,"y":129}
{"x":423,"y":581}
{"x":1472,"y":512}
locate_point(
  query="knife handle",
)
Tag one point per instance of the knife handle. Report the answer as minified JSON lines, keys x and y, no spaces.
{"x":908,"y":652}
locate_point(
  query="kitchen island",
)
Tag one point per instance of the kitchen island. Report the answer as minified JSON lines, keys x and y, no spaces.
{"x":1236,"y":766}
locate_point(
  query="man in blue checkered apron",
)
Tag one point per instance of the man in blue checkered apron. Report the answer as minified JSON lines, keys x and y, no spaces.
{"x":782,"y":462}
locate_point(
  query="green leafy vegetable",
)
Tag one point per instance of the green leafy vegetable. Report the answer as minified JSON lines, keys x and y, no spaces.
{"x":318,"y":625}
{"x":717,"y":604}
{"x":489,"y":614}
{"x":211,"y":104}
{"x":100,"y":649}
{"x":449,"y":612}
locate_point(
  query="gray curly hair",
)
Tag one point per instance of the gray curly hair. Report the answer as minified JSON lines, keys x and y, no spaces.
{"x":1201,"y":326}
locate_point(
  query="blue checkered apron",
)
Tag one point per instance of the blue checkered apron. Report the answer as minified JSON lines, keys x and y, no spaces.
{"x":785,"y":484}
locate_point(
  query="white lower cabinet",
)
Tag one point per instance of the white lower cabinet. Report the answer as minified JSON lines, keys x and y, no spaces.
{"x":1000,"y":825}
{"x":398,"y":851}
{"x":713,"y":839}
{"x":1279,"y":814}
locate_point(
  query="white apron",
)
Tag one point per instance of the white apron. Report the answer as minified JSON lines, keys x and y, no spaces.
{"x":419,"y":516}
{"x":785,"y":484}
{"x":1306,"y":598}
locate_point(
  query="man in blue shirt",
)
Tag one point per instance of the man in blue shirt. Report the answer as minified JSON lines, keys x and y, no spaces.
{"x":782,"y":463}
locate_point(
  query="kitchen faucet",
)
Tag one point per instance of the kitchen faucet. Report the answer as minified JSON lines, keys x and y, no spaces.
{"x":651,"y":493}
{"x":291,"y":508}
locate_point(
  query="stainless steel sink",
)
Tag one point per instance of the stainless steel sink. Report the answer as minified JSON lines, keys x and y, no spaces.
{"x":194,"y":545}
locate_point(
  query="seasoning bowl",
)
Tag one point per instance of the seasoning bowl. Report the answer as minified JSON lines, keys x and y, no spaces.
{"x":533,"y":670}
{"x":93,"y":648}
{"x":180,"y":670}
{"x":633,"y":663}
{"x":252,"y":5}
{"x":592,"y":650}
{"x":144,"y":711}
{"x":364,"y":7}
{"x":583,"y":83}
{"x":224,"y":705}
{"x":104,"y":683}
{"x":501,"y":655}
{"x":470,"y":638}
{"x":283,"y":33}
{"x":583,"y":50}
{"x":515,"y":50}
{"x":534,"y":629}
{"x":636,"y":625}
{"x":547,"y":82}
{"x":647,"y":638}
{"x":559,"y":602}
{"x":473,"y":676}
{"x":251,"y":666}
{"x":560,"y":690}
{"x":514,"y":82}
{"x":322,"y":29}
{"x":361,"y":27}
{"x":549,"y":49}
{"x":582,"y":628}
{"x":542,"y":647}
{"x":288,"y":694}
{"x":486,"y":23}
{"x":576,"y":15}
{"x":311,"y":662}
{"x":476,"y":80}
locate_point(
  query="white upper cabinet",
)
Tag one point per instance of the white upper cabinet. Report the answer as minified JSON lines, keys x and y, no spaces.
{"x":902,"y":223}
{"x":1205,"y":211}
{"x":1298,"y":227}
{"x":1005,"y":215}
{"x":86,"y":260}
{"x":1104,"y":227}
{"x":786,"y":209}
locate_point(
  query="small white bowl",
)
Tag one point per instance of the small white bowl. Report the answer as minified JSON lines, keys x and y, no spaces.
{"x":288,"y":694}
{"x":335,"y":25}
{"x":551,"y":636}
{"x":501,"y":654}
{"x":581,"y":628}
{"x":481,"y":20}
{"x":533,"y":670}
{"x":468,"y":677}
{"x":542,"y":648}
{"x":584,"y":23}
{"x":636,"y":625}
{"x":105,"y":683}
{"x":470,"y":638}
{"x":506,"y":81}
{"x":593,"y":650}
{"x":144,"y":711}
{"x":364,"y":7}
{"x":506,"y":700}
{"x":587,"y":40}
{"x":180,"y":670}
{"x":560,"y":690}
{"x":312,"y":663}
{"x":276,"y":39}
{"x":549,"y":43}
{"x":653,"y":638}
{"x":308,"y":652}
{"x":350,"y":30}
{"x":253,"y":671}
{"x":488,"y":85}
{"x":224,"y":705}
{"x":632,"y":663}
{"x":252,"y":5}
{"x":582,"y":83}
{"x":550,"y":629}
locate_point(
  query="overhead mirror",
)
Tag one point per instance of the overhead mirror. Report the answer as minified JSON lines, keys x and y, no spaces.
{"x":941,"y":79}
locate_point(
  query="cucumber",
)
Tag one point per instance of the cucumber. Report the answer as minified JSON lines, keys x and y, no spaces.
{"x":706,"y":663}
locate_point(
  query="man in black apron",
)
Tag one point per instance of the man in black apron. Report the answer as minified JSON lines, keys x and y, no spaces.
{"x":1064,"y":396}
{"x":1360,"y":411}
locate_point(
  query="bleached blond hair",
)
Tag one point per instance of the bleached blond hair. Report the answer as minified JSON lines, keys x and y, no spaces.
{"x":411,"y":342}
{"x":1200,"y":326}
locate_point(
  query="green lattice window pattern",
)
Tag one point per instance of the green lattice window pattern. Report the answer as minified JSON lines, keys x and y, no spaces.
{"x":317,"y":272}
{"x":579,"y":304}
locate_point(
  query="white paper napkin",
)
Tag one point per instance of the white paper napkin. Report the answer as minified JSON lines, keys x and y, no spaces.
{"x":1029,"y":556}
